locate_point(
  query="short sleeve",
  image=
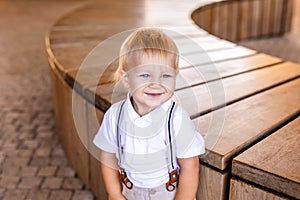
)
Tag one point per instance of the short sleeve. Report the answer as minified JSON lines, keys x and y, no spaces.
{"x":189,"y":142}
{"x":105,"y":138}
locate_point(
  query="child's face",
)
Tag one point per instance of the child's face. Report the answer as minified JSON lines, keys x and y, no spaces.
{"x":151,"y":81}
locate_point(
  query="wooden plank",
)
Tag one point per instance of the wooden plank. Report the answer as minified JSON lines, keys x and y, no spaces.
{"x":212,"y":184}
{"x":256,"y":10}
{"x":243,"y":191}
{"x":68,"y":133}
{"x":274,"y":162}
{"x":232,"y":26}
{"x":288,"y":15}
{"x":220,"y":20}
{"x":203,"y":97}
{"x":189,"y":46}
{"x":244,"y":15}
{"x":204,"y":73}
{"x":216,"y":22}
{"x":215,"y":56}
{"x":205,"y":18}
{"x":278,"y":6}
{"x":206,"y":98}
{"x":266,"y":110}
{"x":266,"y":18}
{"x":94,"y":119}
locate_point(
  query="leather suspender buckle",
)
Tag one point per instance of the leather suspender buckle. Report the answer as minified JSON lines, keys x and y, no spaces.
{"x":173,"y":178}
{"x":125,"y":179}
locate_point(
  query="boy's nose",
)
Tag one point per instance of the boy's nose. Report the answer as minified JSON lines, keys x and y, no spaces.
{"x":155,"y":81}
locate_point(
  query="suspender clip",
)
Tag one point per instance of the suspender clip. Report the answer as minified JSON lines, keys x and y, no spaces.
{"x":173,"y":178}
{"x":125,"y":179}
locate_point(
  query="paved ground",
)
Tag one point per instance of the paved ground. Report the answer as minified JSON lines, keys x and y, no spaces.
{"x":32,"y":163}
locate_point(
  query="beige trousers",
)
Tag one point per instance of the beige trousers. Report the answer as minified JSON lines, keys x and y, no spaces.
{"x":158,"y":193}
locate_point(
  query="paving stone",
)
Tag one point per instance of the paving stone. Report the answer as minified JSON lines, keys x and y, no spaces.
{"x":17,"y":160}
{"x":72,"y":183}
{"x":38,"y":194}
{"x":58,"y":151}
{"x":24,"y":152}
{"x":52,"y":183}
{"x":59,"y":160}
{"x":44,"y":134}
{"x":25,"y":135}
{"x":66,"y":171}
{"x":40,"y":161}
{"x":30,"y":182}
{"x":29,"y":144}
{"x":60,"y":195}
{"x":15,"y":195}
{"x":2,"y":191}
{"x":45,"y":151}
{"x":83,"y":195}
{"x":9,"y":182}
{"x":28,"y":171}
{"x":8,"y":170}
{"x":47,"y":171}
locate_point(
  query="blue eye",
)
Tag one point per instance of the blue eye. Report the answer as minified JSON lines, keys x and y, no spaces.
{"x":145,"y":75}
{"x":166,"y":75}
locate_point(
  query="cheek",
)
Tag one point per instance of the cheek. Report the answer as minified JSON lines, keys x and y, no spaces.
{"x":169,"y":84}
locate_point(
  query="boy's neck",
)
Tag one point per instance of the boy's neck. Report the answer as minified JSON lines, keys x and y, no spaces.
{"x":140,"y":110}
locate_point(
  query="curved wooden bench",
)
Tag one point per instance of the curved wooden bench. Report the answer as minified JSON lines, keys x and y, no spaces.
{"x":255,"y":84}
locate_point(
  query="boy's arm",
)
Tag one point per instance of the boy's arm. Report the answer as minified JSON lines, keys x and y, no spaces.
{"x":111,"y":178}
{"x":188,"y":178}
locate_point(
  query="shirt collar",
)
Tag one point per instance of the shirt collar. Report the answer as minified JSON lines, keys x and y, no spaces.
{"x":133,"y":115}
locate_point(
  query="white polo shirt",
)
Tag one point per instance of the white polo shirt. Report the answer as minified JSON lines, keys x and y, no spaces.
{"x":143,"y":141}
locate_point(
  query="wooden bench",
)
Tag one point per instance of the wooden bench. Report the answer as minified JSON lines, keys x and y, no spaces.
{"x":239,"y":96}
{"x":272,"y":163}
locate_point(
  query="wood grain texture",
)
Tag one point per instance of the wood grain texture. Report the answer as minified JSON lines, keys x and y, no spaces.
{"x":230,"y":131}
{"x":72,"y":136}
{"x":243,"y":191}
{"x":212,"y":184}
{"x":274,"y":162}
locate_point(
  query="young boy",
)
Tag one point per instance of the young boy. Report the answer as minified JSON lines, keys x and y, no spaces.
{"x":147,"y":140}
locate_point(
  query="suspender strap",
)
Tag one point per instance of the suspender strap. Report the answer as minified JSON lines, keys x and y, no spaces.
{"x":170,"y":140}
{"x":123,"y":175}
{"x":120,"y":149}
{"x":171,"y":149}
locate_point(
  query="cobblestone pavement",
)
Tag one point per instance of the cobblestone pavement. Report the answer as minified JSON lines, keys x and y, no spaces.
{"x":32,"y":162}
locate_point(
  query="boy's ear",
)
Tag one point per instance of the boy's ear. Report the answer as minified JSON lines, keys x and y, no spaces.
{"x":124,"y":78}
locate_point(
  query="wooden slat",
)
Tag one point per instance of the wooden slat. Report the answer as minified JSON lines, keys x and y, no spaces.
{"x":278,"y":5}
{"x":212,"y":184}
{"x":68,"y":133}
{"x":244,"y":20}
{"x":266,"y":18}
{"x":93,"y":119}
{"x":199,"y":75}
{"x":256,"y":10}
{"x":288,"y":15}
{"x":233,"y":17}
{"x":219,"y":26}
{"x":246,"y":121}
{"x":215,"y":56}
{"x":251,"y":83}
{"x":274,"y":162}
{"x":243,"y":191}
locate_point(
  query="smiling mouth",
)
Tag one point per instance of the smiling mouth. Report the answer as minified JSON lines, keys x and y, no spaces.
{"x":154,"y":94}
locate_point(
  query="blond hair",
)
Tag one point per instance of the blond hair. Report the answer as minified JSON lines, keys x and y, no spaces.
{"x":146,"y":41}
